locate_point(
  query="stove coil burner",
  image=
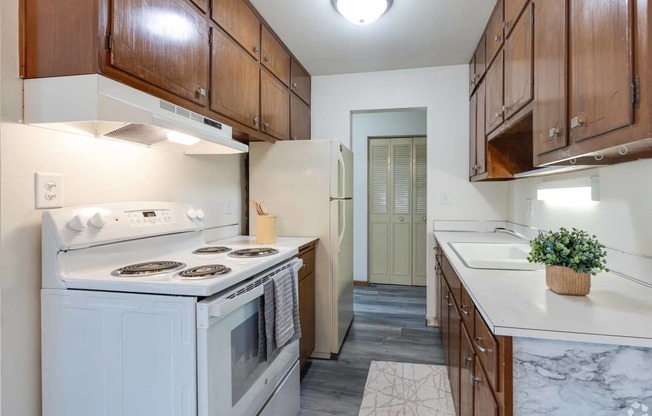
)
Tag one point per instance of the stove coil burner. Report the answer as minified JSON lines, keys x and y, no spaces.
{"x":203,"y":272}
{"x":149,"y":268}
{"x":254,"y":252}
{"x":212,"y":250}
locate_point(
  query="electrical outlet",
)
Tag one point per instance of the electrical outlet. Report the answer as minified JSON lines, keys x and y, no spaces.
{"x":445,"y":198}
{"x":530,"y":207}
{"x":228,"y":207}
{"x":48,"y":190}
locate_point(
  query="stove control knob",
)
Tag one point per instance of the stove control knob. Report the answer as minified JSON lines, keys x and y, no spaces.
{"x":200,"y":214}
{"x":192,"y":214}
{"x":98,"y":220}
{"x":77,"y":223}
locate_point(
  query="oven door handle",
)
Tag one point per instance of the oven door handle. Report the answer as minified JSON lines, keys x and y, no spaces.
{"x":222,"y":307}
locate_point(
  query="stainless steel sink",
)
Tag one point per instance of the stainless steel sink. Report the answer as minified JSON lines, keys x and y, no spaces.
{"x":496,"y":256}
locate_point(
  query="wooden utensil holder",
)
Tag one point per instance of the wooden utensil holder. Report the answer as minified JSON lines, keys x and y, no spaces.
{"x":265,"y":229}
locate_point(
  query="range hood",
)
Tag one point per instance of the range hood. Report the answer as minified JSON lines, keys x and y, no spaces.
{"x":96,"y":106}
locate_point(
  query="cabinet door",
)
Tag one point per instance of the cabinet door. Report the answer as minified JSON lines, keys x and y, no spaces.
{"x":379,"y":223}
{"x":274,"y":107}
{"x":420,"y":204}
{"x":601,"y":51}
{"x":473,"y":119}
{"x":472,"y":74}
{"x":239,"y":21}
{"x":275,"y":58}
{"x":480,"y":136}
{"x":480,"y":58}
{"x":401,"y":212}
{"x":307,"y":317}
{"x":518,"y":66}
{"x":494,"y":33}
{"x":484,"y":401}
{"x":165,"y":44}
{"x":445,"y":305}
{"x":454,"y":367}
{"x":299,"y":119}
{"x":202,"y":4}
{"x":512,"y":10}
{"x":467,"y":363}
{"x":550,"y":66}
{"x":235,"y":81}
{"x":494,"y":99}
{"x":300,"y":83}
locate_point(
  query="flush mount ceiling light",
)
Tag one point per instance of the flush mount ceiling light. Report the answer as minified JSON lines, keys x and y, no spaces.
{"x":362,"y":12}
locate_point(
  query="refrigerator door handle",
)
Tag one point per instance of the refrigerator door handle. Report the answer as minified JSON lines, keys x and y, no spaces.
{"x":343,"y":175}
{"x":341,"y":236}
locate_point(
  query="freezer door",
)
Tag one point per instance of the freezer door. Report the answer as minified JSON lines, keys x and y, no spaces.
{"x":342,"y":266}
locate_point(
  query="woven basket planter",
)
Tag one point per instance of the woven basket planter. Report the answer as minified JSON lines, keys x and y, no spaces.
{"x":565,"y":281}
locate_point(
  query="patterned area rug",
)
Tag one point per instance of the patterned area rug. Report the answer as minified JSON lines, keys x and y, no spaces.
{"x":398,"y":389}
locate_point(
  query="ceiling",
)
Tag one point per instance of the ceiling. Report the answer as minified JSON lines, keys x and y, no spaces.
{"x":412,"y":34}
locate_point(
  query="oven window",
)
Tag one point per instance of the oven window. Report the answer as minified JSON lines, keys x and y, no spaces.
{"x":248,"y":357}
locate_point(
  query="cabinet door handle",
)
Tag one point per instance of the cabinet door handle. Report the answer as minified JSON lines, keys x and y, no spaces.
{"x":265,"y":126}
{"x":401,"y":218}
{"x":475,"y":380}
{"x":480,"y":347}
{"x":577,"y":121}
{"x":423,"y":218}
{"x":467,"y":360}
{"x":256,"y":48}
{"x":506,"y":24}
{"x":463,"y":309}
{"x":266,"y":58}
{"x":498,"y":38}
{"x":201,"y":91}
{"x":255,"y":120}
{"x":498,"y":115}
{"x":293,"y":137}
{"x":553,"y":132}
{"x":294,"y":85}
{"x":305,"y":264}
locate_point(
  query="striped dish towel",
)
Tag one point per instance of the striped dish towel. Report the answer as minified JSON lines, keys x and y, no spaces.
{"x":286,"y":302}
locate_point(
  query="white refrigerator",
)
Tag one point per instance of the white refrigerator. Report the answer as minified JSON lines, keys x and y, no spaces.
{"x":308,"y":185}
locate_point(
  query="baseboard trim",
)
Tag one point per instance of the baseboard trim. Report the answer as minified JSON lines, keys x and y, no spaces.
{"x":432,"y":321}
{"x":360,"y":283}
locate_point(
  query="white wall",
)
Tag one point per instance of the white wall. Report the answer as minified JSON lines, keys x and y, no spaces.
{"x":444,"y":92}
{"x":374,"y":124}
{"x":620,"y":220}
{"x":94,"y":171}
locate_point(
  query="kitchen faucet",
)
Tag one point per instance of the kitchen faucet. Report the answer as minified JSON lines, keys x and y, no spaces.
{"x":511,"y":232}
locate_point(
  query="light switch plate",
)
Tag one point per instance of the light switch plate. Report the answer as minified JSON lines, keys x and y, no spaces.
{"x":48,"y":190}
{"x":228,"y":207}
{"x":530,"y":207}
{"x":445,"y":198}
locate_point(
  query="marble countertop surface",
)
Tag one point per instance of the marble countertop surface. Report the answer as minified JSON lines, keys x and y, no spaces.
{"x":618,"y":311}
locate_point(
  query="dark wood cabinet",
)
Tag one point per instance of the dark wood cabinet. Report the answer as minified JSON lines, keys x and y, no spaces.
{"x":274,"y":57}
{"x":472,"y":75}
{"x":519,"y":76}
{"x":235,"y":91}
{"x":480,"y":58}
{"x":445,"y":306}
{"x":494,"y":98}
{"x":477,"y":137}
{"x":550,"y":128}
{"x":495,"y":33}
{"x":307,"y":302}
{"x":601,"y":65}
{"x":299,"y":119}
{"x":513,"y":9}
{"x":484,"y":401}
{"x":274,"y":107}
{"x":454,"y":365}
{"x":145,"y":43}
{"x":300,"y":83}
{"x":240,"y":22}
{"x":467,"y":372}
{"x":201,"y":4}
{"x":473,"y":117}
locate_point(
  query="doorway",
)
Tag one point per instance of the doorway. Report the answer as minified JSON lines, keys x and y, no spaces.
{"x":397,"y":207}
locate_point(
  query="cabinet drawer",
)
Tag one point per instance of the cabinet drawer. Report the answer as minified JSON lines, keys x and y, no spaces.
{"x":274,"y":57}
{"x":467,"y":311}
{"x":452,"y":280}
{"x":308,"y":267}
{"x":486,"y":348}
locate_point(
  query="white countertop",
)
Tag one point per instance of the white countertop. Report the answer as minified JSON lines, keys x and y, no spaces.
{"x":296,"y":242}
{"x":519,"y":304}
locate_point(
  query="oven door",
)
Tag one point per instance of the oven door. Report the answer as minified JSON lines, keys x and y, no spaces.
{"x":234,"y":376}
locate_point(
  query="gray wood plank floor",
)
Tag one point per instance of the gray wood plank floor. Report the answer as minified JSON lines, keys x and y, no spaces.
{"x":389,"y":325}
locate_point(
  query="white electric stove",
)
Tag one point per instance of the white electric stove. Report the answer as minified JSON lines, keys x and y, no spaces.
{"x":143,"y":315}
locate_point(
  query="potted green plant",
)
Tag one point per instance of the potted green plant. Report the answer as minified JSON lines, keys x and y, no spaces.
{"x":571,"y":257}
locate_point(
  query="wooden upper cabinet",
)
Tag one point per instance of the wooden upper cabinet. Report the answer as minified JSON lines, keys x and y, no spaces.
{"x":473,"y":110}
{"x":519,"y":66}
{"x":513,"y":9}
{"x":480,"y":135}
{"x":299,"y":119}
{"x":480,"y":59}
{"x":494,"y":99}
{"x":202,"y":4}
{"x":494,"y":34}
{"x":275,"y":57}
{"x":166,"y":44}
{"x":235,"y":81}
{"x":601,"y":60}
{"x":300,"y":83}
{"x":472,"y":75}
{"x":550,"y":128}
{"x":274,"y":107}
{"x":239,"y":21}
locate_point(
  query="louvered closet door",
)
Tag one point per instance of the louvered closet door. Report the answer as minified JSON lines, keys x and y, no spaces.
{"x":401,"y":212}
{"x":419,"y":218}
{"x":379,"y":176}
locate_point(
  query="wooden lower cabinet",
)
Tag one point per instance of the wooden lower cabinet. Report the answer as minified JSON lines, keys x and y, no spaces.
{"x":479,"y":362}
{"x":306,"y":278}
